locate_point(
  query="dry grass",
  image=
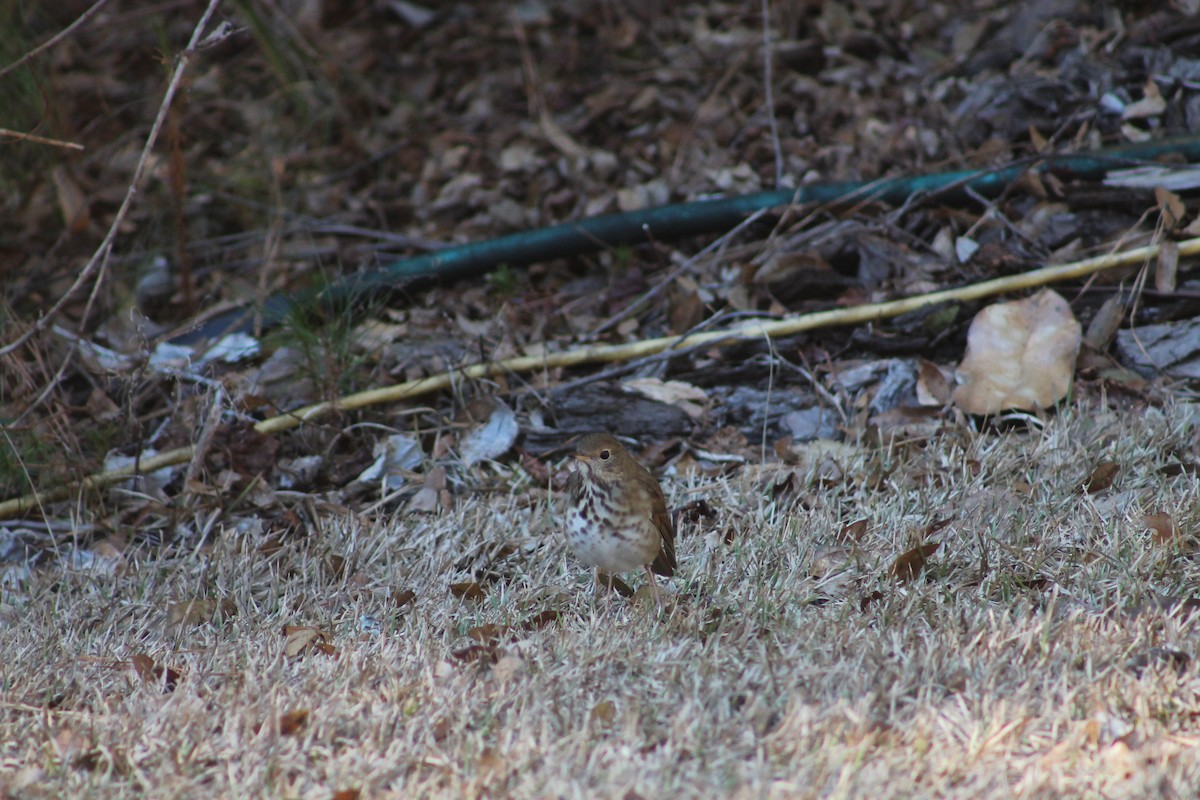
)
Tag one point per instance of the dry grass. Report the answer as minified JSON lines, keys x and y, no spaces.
{"x":765,"y":678}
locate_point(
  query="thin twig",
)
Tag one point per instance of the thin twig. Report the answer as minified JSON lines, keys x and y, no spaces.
{"x":29,"y":137}
{"x":56,"y":38}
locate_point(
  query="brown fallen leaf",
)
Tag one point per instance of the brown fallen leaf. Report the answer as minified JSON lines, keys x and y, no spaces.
{"x":685,"y":308}
{"x":149,"y":672}
{"x":1171,"y":206}
{"x":692,"y":400}
{"x":468,"y":590}
{"x":909,"y":564}
{"x":293,"y":722}
{"x":300,"y":639}
{"x":604,"y":712}
{"x":1101,"y":477}
{"x":402,"y":597}
{"x":787,"y":485}
{"x":488,"y":633}
{"x":201,"y":610}
{"x":476,"y":653}
{"x":441,"y":728}
{"x":934,"y":387}
{"x":853,"y":532}
{"x":619,"y":586}
{"x":936,"y":526}
{"x":869,"y":599}
{"x":540,"y":620}
{"x":433,"y":495}
{"x":1103,"y":327}
{"x":1165,"y":531}
{"x":491,"y":766}
{"x":694,"y":513}
{"x":335,"y":567}
{"x":906,"y":423}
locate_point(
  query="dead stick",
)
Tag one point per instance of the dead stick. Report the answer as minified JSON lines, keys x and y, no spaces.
{"x":755,"y":330}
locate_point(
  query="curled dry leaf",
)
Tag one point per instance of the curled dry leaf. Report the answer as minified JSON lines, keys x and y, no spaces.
{"x":395,"y":457}
{"x":201,"y":610}
{"x":604,"y":712}
{"x":619,"y":586}
{"x":1103,"y":327}
{"x":486,"y":653}
{"x":402,"y":597}
{"x":433,"y":495}
{"x":937,"y":525}
{"x":1152,"y":104}
{"x":1165,"y":531}
{"x":1019,"y":355}
{"x":493,"y":439}
{"x":152,"y":673}
{"x":1101,"y":477}
{"x":72,"y":200}
{"x":301,"y":639}
{"x":688,"y":398}
{"x":540,"y":620}
{"x":695,"y":513}
{"x":293,"y":722}
{"x":1167,"y":267}
{"x":334,"y":567}
{"x":908,"y":565}
{"x":869,"y":599}
{"x":853,"y":532}
{"x":491,"y":766}
{"x":934,"y":387}
{"x":488,"y":633}
{"x":906,"y":423}
{"x":1171,"y":206}
{"x":467,"y":590}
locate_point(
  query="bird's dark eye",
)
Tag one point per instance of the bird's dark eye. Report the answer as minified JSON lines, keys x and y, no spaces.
{"x":604,"y":455}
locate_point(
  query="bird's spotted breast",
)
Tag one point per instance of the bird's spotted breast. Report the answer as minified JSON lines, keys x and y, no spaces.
{"x":616,"y":519}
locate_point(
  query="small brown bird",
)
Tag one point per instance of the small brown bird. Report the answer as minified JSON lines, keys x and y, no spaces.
{"x":617,"y":517}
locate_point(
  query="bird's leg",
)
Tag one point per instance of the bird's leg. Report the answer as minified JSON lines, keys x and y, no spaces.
{"x":600,"y":585}
{"x":654,"y":587}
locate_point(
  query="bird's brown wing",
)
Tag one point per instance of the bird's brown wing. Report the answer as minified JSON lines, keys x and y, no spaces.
{"x":664,"y":562}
